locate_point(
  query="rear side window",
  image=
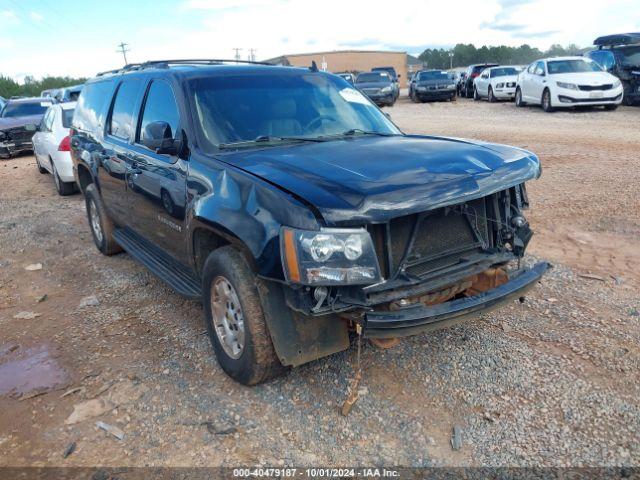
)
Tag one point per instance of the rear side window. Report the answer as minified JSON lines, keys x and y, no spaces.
{"x":67,"y":116}
{"x":90,"y":111}
{"x":160,"y":106}
{"x":121,"y":124}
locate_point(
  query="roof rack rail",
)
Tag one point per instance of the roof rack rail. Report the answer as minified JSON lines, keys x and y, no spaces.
{"x":166,"y":63}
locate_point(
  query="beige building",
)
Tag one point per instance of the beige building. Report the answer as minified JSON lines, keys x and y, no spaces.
{"x":349,"y":61}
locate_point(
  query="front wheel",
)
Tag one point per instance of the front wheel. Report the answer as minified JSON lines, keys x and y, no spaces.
{"x":235,"y":319}
{"x":492,"y":98}
{"x":519,"y":101}
{"x":476,"y":95}
{"x":40,"y":168}
{"x":610,"y":107}
{"x":63,"y":188}
{"x":546,"y":101}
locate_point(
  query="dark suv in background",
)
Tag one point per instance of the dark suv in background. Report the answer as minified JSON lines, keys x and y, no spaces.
{"x":295,"y":209}
{"x":620,"y":56}
{"x":466,"y":87}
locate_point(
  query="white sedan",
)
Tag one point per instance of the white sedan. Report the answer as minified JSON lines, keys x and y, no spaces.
{"x":51,"y":146}
{"x":565,"y":82}
{"x":496,"y":83}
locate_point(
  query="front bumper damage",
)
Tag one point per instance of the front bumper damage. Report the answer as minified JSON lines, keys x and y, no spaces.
{"x":416,"y":319}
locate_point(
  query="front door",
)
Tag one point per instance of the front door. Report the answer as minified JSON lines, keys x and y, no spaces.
{"x":157,"y":182}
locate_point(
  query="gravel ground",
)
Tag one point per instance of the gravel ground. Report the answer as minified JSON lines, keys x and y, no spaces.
{"x":553,"y":382}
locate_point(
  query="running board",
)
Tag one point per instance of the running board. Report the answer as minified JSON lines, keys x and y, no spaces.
{"x":176,"y":275}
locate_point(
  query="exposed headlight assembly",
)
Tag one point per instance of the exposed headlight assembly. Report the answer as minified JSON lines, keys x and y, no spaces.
{"x":329,"y":257}
{"x":569,"y":86}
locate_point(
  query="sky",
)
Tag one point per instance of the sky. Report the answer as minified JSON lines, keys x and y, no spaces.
{"x":80,"y":38}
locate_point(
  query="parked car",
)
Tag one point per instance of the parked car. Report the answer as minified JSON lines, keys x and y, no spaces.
{"x":496,"y":83}
{"x":303,"y":215}
{"x":395,"y":77}
{"x":620,"y":56}
{"x":466,"y":88}
{"x":49,"y":93}
{"x":349,"y":77}
{"x":432,"y":85}
{"x":67,"y":94}
{"x":18,"y":120}
{"x":565,"y":82}
{"x":2,"y":102}
{"x":378,"y":86}
{"x":51,"y":146}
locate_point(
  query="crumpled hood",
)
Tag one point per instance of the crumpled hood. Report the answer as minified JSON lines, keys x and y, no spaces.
{"x":13,"y":122}
{"x":373,"y":179}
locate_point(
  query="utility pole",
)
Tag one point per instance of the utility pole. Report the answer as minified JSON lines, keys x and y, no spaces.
{"x":237,"y":55}
{"x":122,"y":48}
{"x":451,"y":60}
{"x":252,"y":54}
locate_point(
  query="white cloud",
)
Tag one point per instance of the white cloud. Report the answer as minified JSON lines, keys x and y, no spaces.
{"x":8,"y":16}
{"x":36,"y":17}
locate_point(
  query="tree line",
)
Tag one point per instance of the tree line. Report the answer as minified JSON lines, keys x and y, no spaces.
{"x":32,"y":87}
{"x":462,"y":55}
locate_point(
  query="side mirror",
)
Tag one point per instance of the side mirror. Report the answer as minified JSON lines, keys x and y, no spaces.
{"x":31,"y":127}
{"x":157,"y":136}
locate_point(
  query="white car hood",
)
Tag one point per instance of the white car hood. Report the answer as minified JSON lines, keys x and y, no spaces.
{"x":504,"y":79}
{"x":584,"y":78}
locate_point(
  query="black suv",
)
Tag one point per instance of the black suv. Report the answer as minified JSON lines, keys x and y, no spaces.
{"x":620,"y":56}
{"x":295,"y":209}
{"x":466,"y":87}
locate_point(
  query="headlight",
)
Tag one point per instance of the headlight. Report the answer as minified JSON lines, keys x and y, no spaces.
{"x":329,"y":257}
{"x":388,"y":89}
{"x":421,"y":89}
{"x":617,"y":83}
{"x":500,"y":85}
{"x":570,"y":86}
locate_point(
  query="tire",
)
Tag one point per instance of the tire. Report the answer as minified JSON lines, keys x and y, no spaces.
{"x":249,"y":356}
{"x":63,"y":188}
{"x":610,"y":107}
{"x":490,"y":96}
{"x":167,"y":202}
{"x":454,"y":97}
{"x":40,"y":169}
{"x":476,"y":95}
{"x":519,"y":101}
{"x":545,"y":101}
{"x":96,"y":214}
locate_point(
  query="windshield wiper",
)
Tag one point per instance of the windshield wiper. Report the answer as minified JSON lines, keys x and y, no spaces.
{"x":358,"y":131}
{"x":265,"y":139}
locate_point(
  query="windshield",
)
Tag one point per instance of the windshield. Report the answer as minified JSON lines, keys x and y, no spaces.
{"x":630,"y":56}
{"x":503,"y":72}
{"x":246,"y":108}
{"x":572,"y":66}
{"x":374,"y":77}
{"x":424,"y":76}
{"x":67,"y":116}
{"x":22,"y":109}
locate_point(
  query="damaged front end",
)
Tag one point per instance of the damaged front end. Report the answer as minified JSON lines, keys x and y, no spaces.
{"x":436,"y":268}
{"x":14,"y":141}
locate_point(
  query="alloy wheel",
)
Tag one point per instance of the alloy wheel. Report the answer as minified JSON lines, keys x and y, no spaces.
{"x":228,"y":319}
{"x":94,"y":217}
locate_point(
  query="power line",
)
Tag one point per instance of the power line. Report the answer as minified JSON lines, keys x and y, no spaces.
{"x":122,"y":48}
{"x":252,"y":54}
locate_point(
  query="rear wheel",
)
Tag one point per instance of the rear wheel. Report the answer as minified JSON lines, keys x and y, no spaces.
{"x":63,"y":188}
{"x":235,"y":319}
{"x":546,"y":101}
{"x":100,"y":223}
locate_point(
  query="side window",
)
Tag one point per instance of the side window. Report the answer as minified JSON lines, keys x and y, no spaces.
{"x":604,"y":57}
{"x":121,"y":124}
{"x":50,"y":118}
{"x":89,"y":115}
{"x":45,"y":120}
{"x":531,"y":68}
{"x":539,"y":68}
{"x":159,"y":106}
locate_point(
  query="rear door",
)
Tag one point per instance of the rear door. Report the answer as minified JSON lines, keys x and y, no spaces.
{"x":157,"y":182}
{"x":119,"y":135}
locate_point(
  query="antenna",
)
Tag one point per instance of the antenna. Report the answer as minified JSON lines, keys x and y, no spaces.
{"x":122,"y":48}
